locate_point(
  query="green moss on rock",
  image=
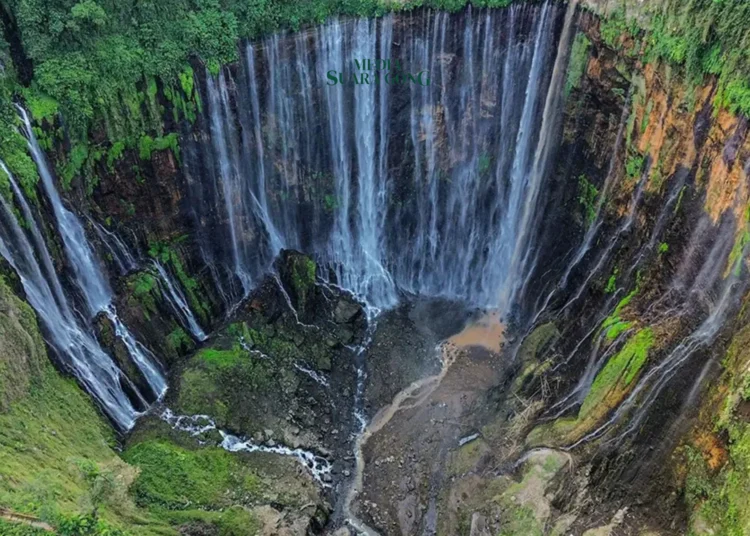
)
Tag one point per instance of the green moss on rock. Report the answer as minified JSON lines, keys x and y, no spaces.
{"x":717,"y":478}
{"x":579,"y":55}
{"x":465,"y":458}
{"x":537,"y":340}
{"x":145,"y":290}
{"x":609,"y":388}
{"x":526,"y":504}
{"x":179,"y":342}
{"x":168,"y":255}
{"x":620,"y":370}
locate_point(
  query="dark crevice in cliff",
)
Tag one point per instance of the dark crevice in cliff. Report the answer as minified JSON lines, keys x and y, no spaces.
{"x":23,"y":64}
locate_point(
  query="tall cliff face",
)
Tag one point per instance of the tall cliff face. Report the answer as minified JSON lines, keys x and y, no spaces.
{"x":599,"y":202}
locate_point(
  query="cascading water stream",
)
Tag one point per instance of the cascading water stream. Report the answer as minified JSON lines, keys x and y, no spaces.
{"x":180,"y":304}
{"x":707,"y":287}
{"x":276,"y":242}
{"x":88,"y":275}
{"x":521,"y":263}
{"x":126,"y":262}
{"x":222,"y":135}
{"x":119,"y":252}
{"x":74,"y":342}
{"x":604,"y":256}
{"x":593,"y":229}
{"x":198,"y":425}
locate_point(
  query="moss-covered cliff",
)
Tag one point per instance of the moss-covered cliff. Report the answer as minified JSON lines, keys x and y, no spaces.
{"x":62,"y":468}
{"x":655,"y":153}
{"x":56,"y":452}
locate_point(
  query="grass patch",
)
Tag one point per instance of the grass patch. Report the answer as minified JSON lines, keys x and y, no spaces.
{"x":222,"y":358}
{"x":56,"y":456}
{"x":175,"y":478}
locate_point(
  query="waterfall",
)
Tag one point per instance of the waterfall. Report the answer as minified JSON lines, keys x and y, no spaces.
{"x":276,"y":242}
{"x":89,"y":278}
{"x":426,"y":188}
{"x":126,"y":262}
{"x":88,"y":274}
{"x":224,"y":141}
{"x":180,"y":305}
{"x":593,"y":229}
{"x":645,"y":393}
{"x":71,"y":339}
{"x":117,"y":249}
{"x":520,"y":268}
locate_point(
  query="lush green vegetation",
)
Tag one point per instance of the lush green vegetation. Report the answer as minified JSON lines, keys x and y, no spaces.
{"x":587,"y":197}
{"x":701,"y":37}
{"x":101,"y":59}
{"x":717,"y":480}
{"x":56,"y":456}
{"x":58,"y":464}
{"x":249,"y":357}
{"x":579,"y":56}
{"x":721,"y":500}
{"x":611,"y":384}
{"x":110,"y":67}
{"x":207,"y":490}
{"x":178,"y":479}
{"x":77,"y":525}
{"x":17,"y":529}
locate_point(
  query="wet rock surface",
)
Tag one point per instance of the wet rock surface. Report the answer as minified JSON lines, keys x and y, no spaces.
{"x":404,"y":346}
